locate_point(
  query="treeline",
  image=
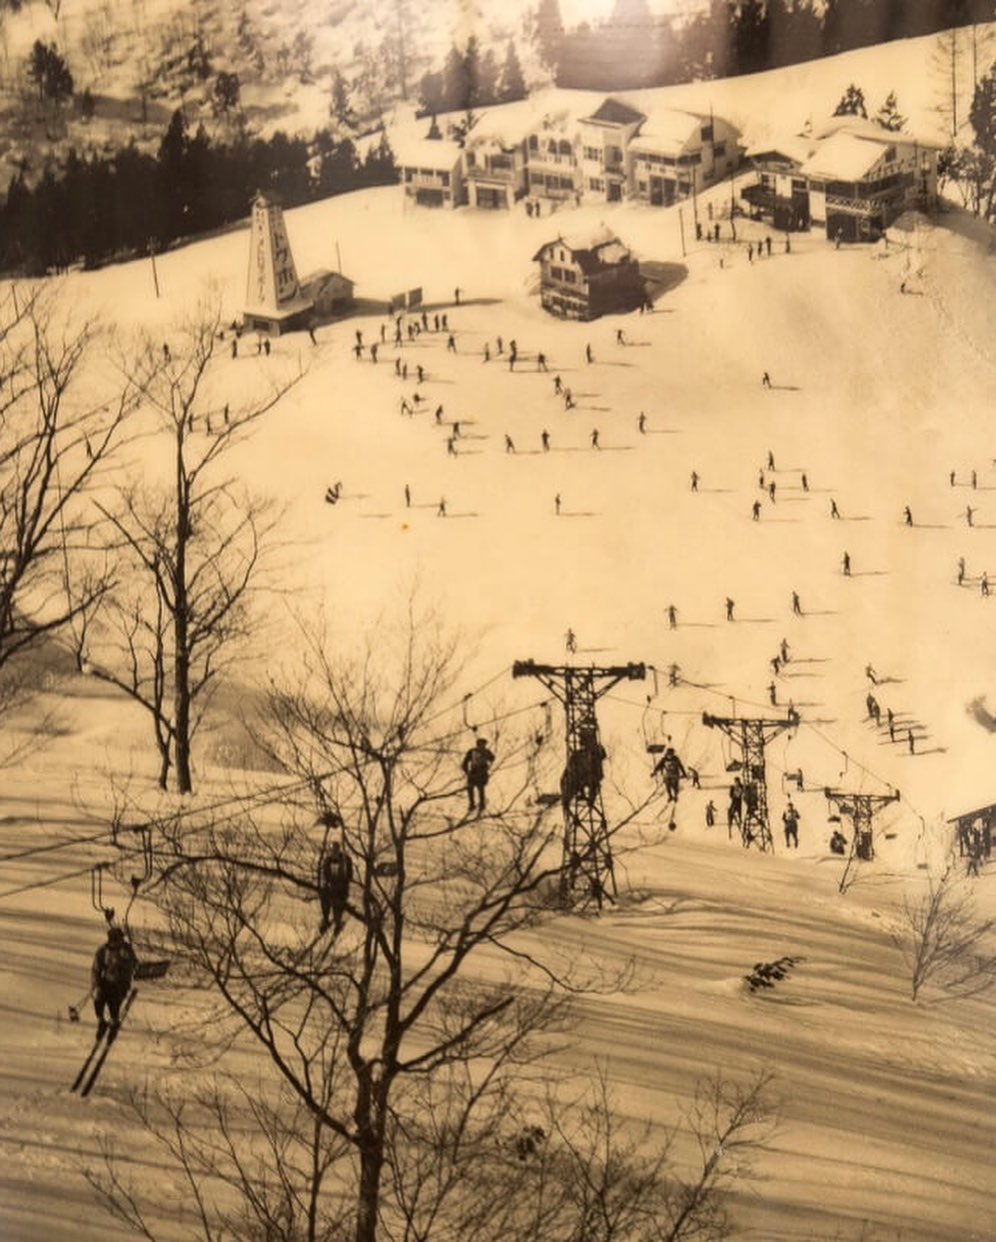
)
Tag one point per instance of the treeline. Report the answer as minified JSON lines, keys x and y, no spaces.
{"x":99,"y":208}
{"x":470,"y":79}
{"x":634,"y":48}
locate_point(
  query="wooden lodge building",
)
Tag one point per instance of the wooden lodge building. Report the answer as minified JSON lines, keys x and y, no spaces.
{"x":851,"y":177}
{"x":586,"y":278}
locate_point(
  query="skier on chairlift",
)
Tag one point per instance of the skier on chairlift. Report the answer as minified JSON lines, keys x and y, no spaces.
{"x":335,"y":874}
{"x":111,"y":976}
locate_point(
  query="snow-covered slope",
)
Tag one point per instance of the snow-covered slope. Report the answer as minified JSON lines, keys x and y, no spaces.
{"x":876,"y":396}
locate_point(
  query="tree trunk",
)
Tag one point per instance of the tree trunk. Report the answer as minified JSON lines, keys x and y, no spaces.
{"x":181,"y":653}
{"x":368,"y":1201}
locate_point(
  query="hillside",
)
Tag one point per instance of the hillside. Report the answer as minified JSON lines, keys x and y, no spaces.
{"x":885,"y":1119}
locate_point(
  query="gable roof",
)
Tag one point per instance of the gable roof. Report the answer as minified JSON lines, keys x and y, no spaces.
{"x":428,"y":153}
{"x":614,"y":112}
{"x":601,"y":249}
{"x":844,"y":157}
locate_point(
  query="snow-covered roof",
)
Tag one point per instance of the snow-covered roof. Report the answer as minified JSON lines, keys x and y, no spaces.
{"x":667,"y":130}
{"x":592,"y":250}
{"x":794,"y":148}
{"x":844,"y":157}
{"x":863,"y":127}
{"x":427,"y":153}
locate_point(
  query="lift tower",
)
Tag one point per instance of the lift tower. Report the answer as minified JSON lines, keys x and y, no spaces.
{"x":751,"y":736}
{"x":587,"y":847}
{"x":860,"y":809}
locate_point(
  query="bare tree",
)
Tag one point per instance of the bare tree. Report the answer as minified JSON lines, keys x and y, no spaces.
{"x":438,"y":971}
{"x":62,"y":415}
{"x":191,"y":547}
{"x":944,"y":942}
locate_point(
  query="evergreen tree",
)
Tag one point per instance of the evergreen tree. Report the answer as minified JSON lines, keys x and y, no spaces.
{"x":982,"y":116}
{"x":49,"y":72}
{"x":226,"y":93}
{"x":511,"y":84}
{"x":341,"y":110}
{"x":486,"y":87}
{"x":549,"y":32}
{"x":889,"y":116}
{"x":852,"y":103}
{"x":456,"y":86}
{"x":432,"y":93}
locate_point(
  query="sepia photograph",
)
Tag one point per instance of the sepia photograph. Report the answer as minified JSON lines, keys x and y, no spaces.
{"x":496,"y":516}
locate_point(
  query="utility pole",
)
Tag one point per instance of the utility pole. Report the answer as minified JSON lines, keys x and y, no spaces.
{"x":587,"y":870}
{"x":751,"y":736}
{"x":860,"y":809}
{"x":681,"y":230}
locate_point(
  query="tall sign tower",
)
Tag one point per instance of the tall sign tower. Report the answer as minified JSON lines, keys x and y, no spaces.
{"x":274,"y":298}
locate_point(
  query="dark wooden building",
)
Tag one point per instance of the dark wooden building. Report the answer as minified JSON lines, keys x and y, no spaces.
{"x":582,"y":279}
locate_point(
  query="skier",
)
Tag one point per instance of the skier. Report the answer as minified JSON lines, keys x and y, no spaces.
{"x":771,"y":490}
{"x":765,"y":380}
{"x":558,"y":386}
{"x":907,"y":515}
{"x":834,"y":511}
{"x":796,"y":604}
{"x":695,"y":481}
{"x":838,"y":842}
{"x":845,"y":565}
{"x":594,"y":438}
{"x":790,"y":818}
{"x":870,"y":674}
{"x":984,"y":585}
{"x":451,"y":343}
{"x":487,"y":352}
{"x":641,"y":423}
{"x":545,"y":440}
{"x":783,"y":650}
{"x":556,"y":504}
{"x":772,"y":694}
{"x":729,"y":609}
{"x":110,"y":978}
{"x":672,"y":769}
{"x":911,"y":741}
{"x":672,"y":617}
{"x":588,"y":355}
{"x":734,"y":813}
{"x":805,"y":482}
{"x":710,"y":814}
{"x":509,"y":444}
{"x":771,"y":460}
{"x":755,"y":511}
{"x":477,"y":768}
{"x":408,"y":497}
{"x":335,"y":874}
{"x":441,"y":509}
{"x":541,"y":361}
{"x":969,"y":514}
{"x":961,"y":570}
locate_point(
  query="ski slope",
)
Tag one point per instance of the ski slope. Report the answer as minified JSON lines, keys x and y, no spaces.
{"x":886,"y":1108}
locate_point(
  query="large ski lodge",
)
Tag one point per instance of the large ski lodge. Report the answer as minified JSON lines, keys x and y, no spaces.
{"x":616,"y":152}
{"x":849,"y":176}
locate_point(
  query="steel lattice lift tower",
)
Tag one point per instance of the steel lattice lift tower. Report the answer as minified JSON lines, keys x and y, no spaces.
{"x":751,"y":736}
{"x":587,"y":846}
{"x":860,"y":809}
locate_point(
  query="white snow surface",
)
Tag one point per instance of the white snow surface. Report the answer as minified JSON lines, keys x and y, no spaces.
{"x":886,"y":1121}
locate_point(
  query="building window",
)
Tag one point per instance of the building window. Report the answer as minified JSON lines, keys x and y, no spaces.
{"x":592,"y":153}
{"x":707,"y":133}
{"x":570,"y":278}
{"x":613,"y":155}
{"x":641,"y":187}
{"x":719,"y":150}
{"x":408,"y":174}
{"x":799,"y":185}
{"x":557,"y":273}
{"x":471,"y":159}
{"x":567,"y":183}
{"x":445,"y":178}
{"x":890,"y":154}
{"x":565,"y":148}
{"x":533,"y":142}
{"x":595,"y":183}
